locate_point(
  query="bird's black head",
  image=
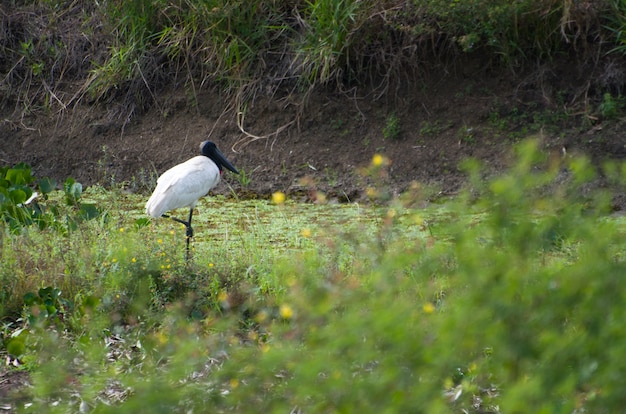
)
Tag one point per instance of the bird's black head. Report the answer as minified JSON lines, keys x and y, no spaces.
{"x":209,"y":149}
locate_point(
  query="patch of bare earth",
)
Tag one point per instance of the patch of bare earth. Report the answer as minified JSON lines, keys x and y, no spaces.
{"x":12,"y":382}
{"x":442,"y":120}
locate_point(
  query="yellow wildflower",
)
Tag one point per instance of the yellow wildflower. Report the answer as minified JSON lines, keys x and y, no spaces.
{"x":428,"y":308}
{"x":285,"y":311}
{"x":222,"y":296}
{"x":377,"y":160}
{"x":261,"y":316}
{"x":161,"y":338}
{"x":278,"y":197}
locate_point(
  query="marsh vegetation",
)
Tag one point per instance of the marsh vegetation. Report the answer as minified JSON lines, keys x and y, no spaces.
{"x":505,"y":298}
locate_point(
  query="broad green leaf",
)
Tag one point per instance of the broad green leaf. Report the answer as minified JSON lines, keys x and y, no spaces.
{"x":17,"y":346}
{"x":18,"y":196}
{"x":142,"y":222}
{"x":88,"y":211}
{"x":46,"y":185}
{"x":30,"y":298}
{"x":19,"y":175}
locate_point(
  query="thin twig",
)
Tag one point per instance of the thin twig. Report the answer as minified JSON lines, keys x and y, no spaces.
{"x":45,"y":85}
{"x":250,"y":138}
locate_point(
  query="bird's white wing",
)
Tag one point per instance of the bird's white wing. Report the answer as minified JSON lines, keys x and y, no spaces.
{"x":182,"y":185}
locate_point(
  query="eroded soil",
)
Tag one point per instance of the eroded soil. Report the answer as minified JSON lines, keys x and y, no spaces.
{"x":442,"y":119}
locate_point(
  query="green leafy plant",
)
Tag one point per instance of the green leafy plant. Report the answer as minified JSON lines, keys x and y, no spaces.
{"x":18,"y":204}
{"x":433,"y":128}
{"x":610,"y":107}
{"x":73,"y":191}
{"x":244,"y":177}
{"x":466,"y":134}
{"x":22,"y":206}
{"x":47,"y":310}
{"x":45,"y":306}
{"x":392,"y":127}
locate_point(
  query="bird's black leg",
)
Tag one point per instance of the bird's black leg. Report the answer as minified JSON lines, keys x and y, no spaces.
{"x":189,"y":232}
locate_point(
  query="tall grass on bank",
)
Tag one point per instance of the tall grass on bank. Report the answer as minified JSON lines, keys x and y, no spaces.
{"x":44,"y":46}
{"x":132,"y":49}
{"x":506,"y":299}
{"x":189,"y":41}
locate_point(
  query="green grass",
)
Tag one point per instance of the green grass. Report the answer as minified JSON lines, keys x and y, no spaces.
{"x":505,"y":298}
{"x":130,"y":51}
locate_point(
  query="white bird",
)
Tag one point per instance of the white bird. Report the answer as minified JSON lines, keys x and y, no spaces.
{"x":184,"y":184}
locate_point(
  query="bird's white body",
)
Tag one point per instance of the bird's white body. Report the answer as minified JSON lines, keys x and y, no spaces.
{"x":182,"y":185}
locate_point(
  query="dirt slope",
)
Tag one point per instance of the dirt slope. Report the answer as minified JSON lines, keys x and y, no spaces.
{"x":442,"y":119}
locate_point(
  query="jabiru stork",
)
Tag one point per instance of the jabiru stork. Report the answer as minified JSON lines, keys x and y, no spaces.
{"x":184,"y":184}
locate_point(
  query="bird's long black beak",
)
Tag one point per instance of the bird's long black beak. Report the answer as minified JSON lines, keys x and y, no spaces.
{"x":222,"y":159}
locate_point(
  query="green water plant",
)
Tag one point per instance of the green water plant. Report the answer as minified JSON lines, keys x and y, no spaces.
{"x":24,"y":201}
{"x":18,"y":198}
